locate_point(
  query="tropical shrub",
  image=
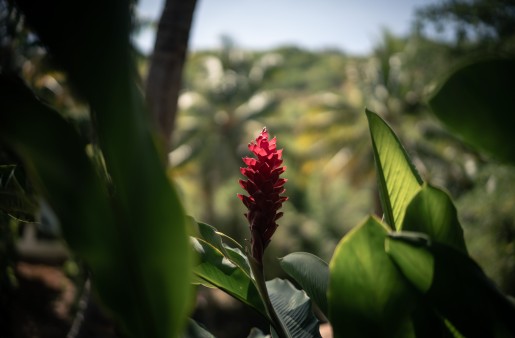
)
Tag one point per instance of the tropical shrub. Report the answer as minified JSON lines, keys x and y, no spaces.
{"x":407,"y":274}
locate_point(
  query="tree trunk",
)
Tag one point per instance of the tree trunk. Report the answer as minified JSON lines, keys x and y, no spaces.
{"x":166,"y":64}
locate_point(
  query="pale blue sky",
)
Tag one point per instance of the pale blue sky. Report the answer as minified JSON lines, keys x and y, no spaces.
{"x":353,"y":26}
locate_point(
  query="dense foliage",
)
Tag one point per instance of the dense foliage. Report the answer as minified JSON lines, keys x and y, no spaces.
{"x":80,"y":160}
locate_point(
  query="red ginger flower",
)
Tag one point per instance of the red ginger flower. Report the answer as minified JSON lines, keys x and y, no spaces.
{"x":264,"y":188}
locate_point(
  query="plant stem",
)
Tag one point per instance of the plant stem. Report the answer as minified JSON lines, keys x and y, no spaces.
{"x":259,"y":276}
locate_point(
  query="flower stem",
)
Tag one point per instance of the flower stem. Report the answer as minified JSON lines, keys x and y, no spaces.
{"x":277,"y":324}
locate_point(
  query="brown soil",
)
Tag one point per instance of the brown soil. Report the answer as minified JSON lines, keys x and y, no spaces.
{"x":44,"y":303}
{"x":40,"y":304}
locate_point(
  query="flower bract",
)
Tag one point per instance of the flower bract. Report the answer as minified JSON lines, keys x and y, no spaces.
{"x":265,"y":188}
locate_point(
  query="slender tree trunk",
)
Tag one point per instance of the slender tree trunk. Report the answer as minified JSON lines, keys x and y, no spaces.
{"x":167,"y":61}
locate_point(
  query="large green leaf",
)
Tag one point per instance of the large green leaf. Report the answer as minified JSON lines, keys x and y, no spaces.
{"x":93,"y":47}
{"x":58,"y":166}
{"x":138,"y":259}
{"x":312,"y":274}
{"x":398,"y":179}
{"x":476,"y":101}
{"x":218,"y":270}
{"x":455,"y":285}
{"x":427,"y":322}
{"x":367,"y":296}
{"x":293,"y":308}
{"x":432,"y":212}
{"x":416,"y":265}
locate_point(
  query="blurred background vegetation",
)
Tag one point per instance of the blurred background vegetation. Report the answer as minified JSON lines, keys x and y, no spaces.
{"x":313,"y":101}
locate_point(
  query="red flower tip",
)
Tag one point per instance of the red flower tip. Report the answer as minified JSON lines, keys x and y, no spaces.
{"x":264,"y":188}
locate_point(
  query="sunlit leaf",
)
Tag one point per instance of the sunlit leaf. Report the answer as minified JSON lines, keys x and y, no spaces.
{"x":432,"y":212}
{"x":455,"y":285}
{"x":312,"y":274}
{"x":398,"y":179}
{"x":294,"y":308}
{"x":368,"y":297}
{"x":476,"y":101}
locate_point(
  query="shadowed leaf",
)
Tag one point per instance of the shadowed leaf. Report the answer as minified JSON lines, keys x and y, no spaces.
{"x":432,"y":212}
{"x":194,"y":330}
{"x":367,"y":296}
{"x":476,"y":101}
{"x":455,"y":286}
{"x":140,"y":263}
{"x":312,"y":273}
{"x":294,"y":309}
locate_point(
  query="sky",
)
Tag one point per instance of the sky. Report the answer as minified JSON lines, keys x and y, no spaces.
{"x":353,"y":26}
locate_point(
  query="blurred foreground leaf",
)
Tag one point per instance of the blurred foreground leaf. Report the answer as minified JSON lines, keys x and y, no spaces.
{"x":398,"y":179}
{"x":477,"y":102}
{"x":59,"y":168}
{"x":137,"y":275}
{"x":143,"y":221}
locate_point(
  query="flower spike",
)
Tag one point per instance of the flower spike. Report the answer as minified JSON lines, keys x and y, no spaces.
{"x":265,"y":188}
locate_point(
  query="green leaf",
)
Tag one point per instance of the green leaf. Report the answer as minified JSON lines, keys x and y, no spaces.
{"x":398,"y":179}
{"x":432,"y":212}
{"x":312,"y":274}
{"x":367,"y":296}
{"x":215,"y":238}
{"x":417,"y":267}
{"x":59,"y":168}
{"x":149,"y":222}
{"x":458,"y":288}
{"x":415,"y":263}
{"x":140,"y":259}
{"x":218,"y":270}
{"x":293,"y":308}
{"x":476,"y":102}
